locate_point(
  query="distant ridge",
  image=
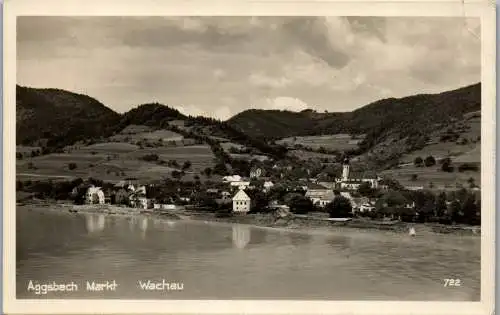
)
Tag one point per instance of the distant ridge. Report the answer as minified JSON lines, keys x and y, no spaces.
{"x":403,"y":115}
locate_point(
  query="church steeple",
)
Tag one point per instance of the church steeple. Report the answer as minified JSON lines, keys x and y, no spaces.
{"x":345,"y":169}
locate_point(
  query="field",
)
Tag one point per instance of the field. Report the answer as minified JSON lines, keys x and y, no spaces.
{"x":109,"y":147}
{"x":434,"y":175}
{"x":330,"y":142}
{"x":200,"y":156}
{"x":115,"y":161}
{"x":228,"y":145}
{"x":249,"y":157}
{"x":133,"y":129}
{"x":156,"y":135}
{"x":469,"y":151}
{"x":306,"y":155}
{"x":26,"y":149}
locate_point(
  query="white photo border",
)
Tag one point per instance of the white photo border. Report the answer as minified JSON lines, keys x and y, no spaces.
{"x":470,"y":8}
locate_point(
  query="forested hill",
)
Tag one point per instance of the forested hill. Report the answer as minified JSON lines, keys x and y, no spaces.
{"x":406,"y":115}
{"x":53,"y":117}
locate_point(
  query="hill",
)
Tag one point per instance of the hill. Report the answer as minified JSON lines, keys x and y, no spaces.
{"x":394,"y":116}
{"x":54,"y":118}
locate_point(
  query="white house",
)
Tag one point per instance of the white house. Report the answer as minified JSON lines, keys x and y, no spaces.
{"x":318,"y":194}
{"x":94,"y":195}
{"x":241,"y":202}
{"x":240,"y":184}
{"x":366,"y":207}
{"x":159,"y":206}
{"x":268,"y":185}
{"x":232,"y":178}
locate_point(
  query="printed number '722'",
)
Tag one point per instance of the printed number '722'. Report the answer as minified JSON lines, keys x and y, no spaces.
{"x":452,"y":282}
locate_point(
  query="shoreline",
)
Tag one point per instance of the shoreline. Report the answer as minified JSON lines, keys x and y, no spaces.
{"x":290,"y":223}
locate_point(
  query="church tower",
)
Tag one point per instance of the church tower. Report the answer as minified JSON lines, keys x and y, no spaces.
{"x":345,"y":170}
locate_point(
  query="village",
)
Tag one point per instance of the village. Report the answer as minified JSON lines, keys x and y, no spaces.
{"x":353,"y":194}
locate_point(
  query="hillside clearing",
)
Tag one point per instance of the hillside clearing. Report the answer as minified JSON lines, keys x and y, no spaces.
{"x":338,"y":142}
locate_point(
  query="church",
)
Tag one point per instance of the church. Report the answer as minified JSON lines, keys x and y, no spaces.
{"x":352,"y":180}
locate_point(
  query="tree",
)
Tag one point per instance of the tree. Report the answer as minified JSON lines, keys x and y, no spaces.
{"x":207,"y":171}
{"x":300,"y":204}
{"x":72,"y":166}
{"x":186,"y":165}
{"x":365,"y":189}
{"x":429,"y":161}
{"x":471,"y":182}
{"x":176,"y":174}
{"x":446,"y":165}
{"x":392,"y":198}
{"x":440,"y":205}
{"x":418,"y":161}
{"x":260,"y":201}
{"x":340,"y":207}
{"x":455,"y":211}
{"x":469,"y":209}
{"x":220,"y":169}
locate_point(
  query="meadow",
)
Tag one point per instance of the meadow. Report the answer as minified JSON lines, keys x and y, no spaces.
{"x":330,"y":142}
{"x":434,"y":175}
{"x":306,"y":155}
{"x":114,"y":161}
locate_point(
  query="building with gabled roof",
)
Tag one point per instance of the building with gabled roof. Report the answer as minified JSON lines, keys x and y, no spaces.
{"x":241,"y":202}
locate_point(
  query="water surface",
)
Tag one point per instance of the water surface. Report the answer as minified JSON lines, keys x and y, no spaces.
{"x":224,"y":261}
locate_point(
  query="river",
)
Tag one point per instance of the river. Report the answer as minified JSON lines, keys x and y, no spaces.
{"x":201,"y":260}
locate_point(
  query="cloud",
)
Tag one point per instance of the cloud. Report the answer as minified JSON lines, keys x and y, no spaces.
{"x":224,"y":65}
{"x":282,"y":103}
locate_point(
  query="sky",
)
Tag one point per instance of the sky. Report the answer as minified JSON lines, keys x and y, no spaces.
{"x":220,"y":66}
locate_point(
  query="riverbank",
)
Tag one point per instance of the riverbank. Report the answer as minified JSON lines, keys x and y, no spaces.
{"x":290,"y":222}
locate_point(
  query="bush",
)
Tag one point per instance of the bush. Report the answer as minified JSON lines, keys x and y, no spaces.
{"x":468,"y":167}
{"x":300,"y":205}
{"x":186,"y":165}
{"x":446,"y":165}
{"x":418,"y":161}
{"x":429,"y":161}
{"x":150,"y":157}
{"x":340,"y":207}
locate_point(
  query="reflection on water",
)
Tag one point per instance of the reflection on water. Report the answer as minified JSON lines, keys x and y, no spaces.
{"x":241,"y":235}
{"x":94,"y":222}
{"x":223,"y":261}
{"x":144,"y":227}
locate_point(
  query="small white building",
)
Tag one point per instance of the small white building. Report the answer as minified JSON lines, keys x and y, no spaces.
{"x":232,"y":178}
{"x":241,"y":202}
{"x":366,"y":207}
{"x":240,"y":184}
{"x":141,"y":190}
{"x":268,"y":185}
{"x":159,"y":206}
{"x":94,"y":195}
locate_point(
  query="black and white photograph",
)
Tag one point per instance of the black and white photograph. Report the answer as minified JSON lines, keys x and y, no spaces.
{"x":250,"y":157}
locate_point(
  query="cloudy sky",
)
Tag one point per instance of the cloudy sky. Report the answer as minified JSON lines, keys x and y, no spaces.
{"x":220,"y":66}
